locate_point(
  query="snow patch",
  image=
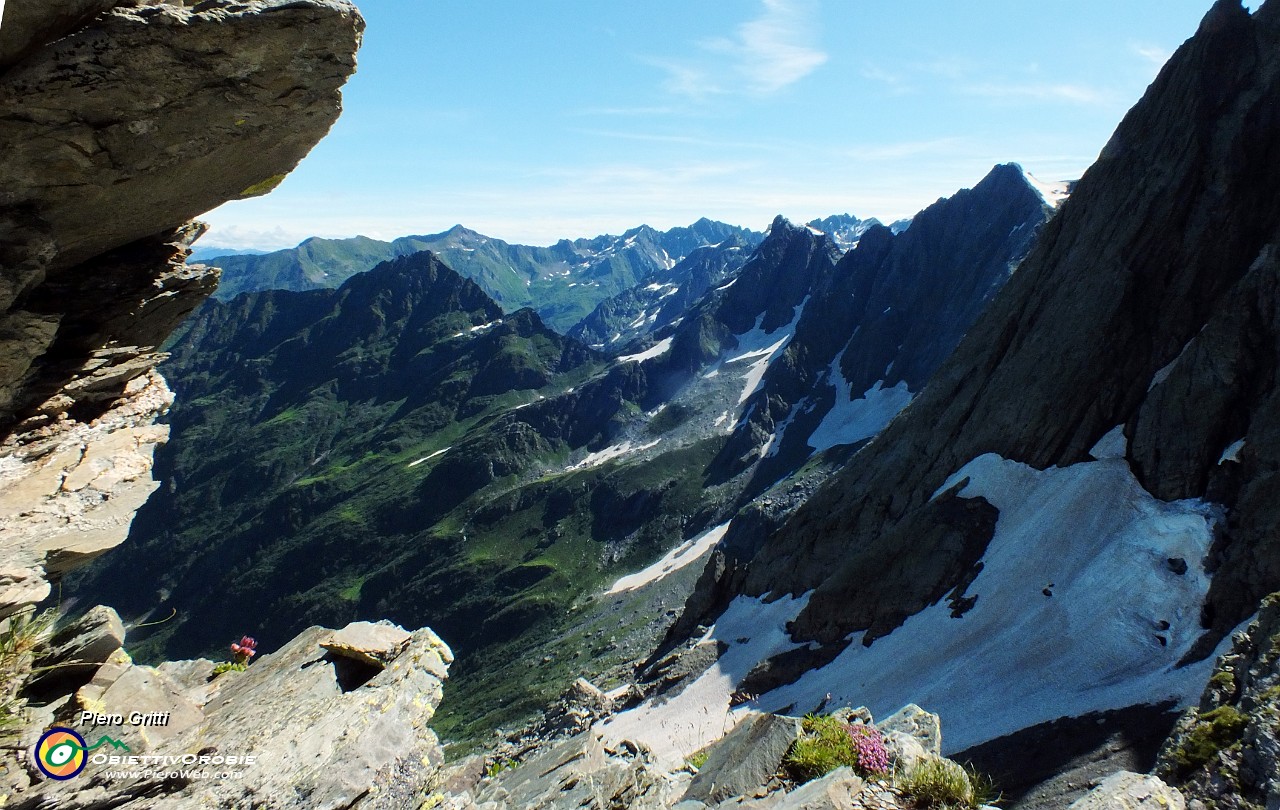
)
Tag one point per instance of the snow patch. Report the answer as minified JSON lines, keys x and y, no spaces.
{"x":763,"y":347}
{"x":774,"y":444}
{"x":1052,"y":193}
{"x":1108,"y":634}
{"x":851,"y":420}
{"x":700,"y":715}
{"x":656,"y":350}
{"x":428,"y":458}
{"x":1232,"y":453}
{"x":1112,"y":445}
{"x":613,"y":451}
{"x":682,"y":555}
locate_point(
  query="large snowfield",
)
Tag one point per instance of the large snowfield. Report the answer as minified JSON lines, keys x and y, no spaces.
{"x":1080,"y":608}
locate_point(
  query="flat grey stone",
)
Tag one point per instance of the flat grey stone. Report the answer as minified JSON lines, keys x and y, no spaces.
{"x":746,"y":759}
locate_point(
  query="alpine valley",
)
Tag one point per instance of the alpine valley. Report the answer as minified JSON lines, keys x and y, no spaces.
{"x":644,"y":501}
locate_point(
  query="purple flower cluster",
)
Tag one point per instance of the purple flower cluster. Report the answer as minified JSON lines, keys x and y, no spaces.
{"x":868,"y":742}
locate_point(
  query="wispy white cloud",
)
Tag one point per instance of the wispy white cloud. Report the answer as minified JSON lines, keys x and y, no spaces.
{"x":895,"y":82}
{"x":777,"y":48}
{"x":946,"y":147}
{"x":764,"y":55}
{"x":625,"y":112}
{"x":1154,"y":54}
{"x":1073,"y":93}
{"x":684,"y":79}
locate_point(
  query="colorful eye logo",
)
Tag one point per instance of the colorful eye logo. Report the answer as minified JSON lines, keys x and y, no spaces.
{"x":60,"y":754}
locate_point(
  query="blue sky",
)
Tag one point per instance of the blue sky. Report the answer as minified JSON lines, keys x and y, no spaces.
{"x":532,"y":121}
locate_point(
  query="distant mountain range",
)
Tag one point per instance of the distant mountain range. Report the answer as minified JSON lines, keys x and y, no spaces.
{"x":592,"y":285}
{"x":563,"y":282}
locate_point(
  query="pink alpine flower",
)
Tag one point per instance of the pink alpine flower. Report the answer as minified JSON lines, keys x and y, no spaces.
{"x":244,"y":649}
{"x":868,"y":743}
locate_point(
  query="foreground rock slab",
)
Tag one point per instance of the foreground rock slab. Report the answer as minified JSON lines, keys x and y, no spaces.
{"x":743,"y":762}
{"x":1131,"y":791}
{"x":297,"y":732}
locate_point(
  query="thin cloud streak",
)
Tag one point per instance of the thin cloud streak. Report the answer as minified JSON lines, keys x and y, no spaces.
{"x":1074,"y":93}
{"x":765,"y":55}
{"x":776,"y":49}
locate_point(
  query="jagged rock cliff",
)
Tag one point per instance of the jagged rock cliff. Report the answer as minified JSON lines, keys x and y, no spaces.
{"x":118,"y":123}
{"x":1161,"y":237}
{"x":1008,"y":490}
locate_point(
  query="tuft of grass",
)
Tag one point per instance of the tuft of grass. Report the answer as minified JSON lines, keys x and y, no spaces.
{"x":20,"y":636}
{"x":825,"y":744}
{"x":941,"y":784}
{"x":698,"y":759}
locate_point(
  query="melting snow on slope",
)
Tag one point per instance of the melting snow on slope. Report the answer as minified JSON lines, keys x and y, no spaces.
{"x":687,"y":552}
{"x":1053,"y":193}
{"x":613,"y":451}
{"x":700,"y":715}
{"x":1232,"y":453}
{"x":852,"y":420}
{"x":763,"y":347}
{"x":428,"y":458}
{"x":653,"y":351}
{"x":1110,"y":634}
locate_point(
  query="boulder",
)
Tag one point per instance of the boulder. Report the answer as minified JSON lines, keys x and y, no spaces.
{"x":374,"y":644}
{"x":915,"y":722}
{"x":837,"y":790}
{"x":744,"y":761}
{"x":189,"y":107}
{"x":140,"y":689}
{"x":1126,"y":790}
{"x":904,"y":750}
{"x":78,"y":649}
{"x":582,"y":772}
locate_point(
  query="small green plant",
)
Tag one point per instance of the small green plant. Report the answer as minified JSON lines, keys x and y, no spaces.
{"x":698,"y":759}
{"x":434,"y":800}
{"x":828,"y":743}
{"x":242,"y":651}
{"x":1213,"y":731}
{"x":498,"y":766}
{"x":934,"y":783}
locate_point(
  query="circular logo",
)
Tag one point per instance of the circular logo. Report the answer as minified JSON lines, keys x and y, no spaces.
{"x":60,"y":754}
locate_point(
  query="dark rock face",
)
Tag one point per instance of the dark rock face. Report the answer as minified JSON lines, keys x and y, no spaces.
{"x":92,"y":163}
{"x":1052,"y":764}
{"x":1157,"y":241}
{"x":889,"y":312}
{"x":31,"y":24}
